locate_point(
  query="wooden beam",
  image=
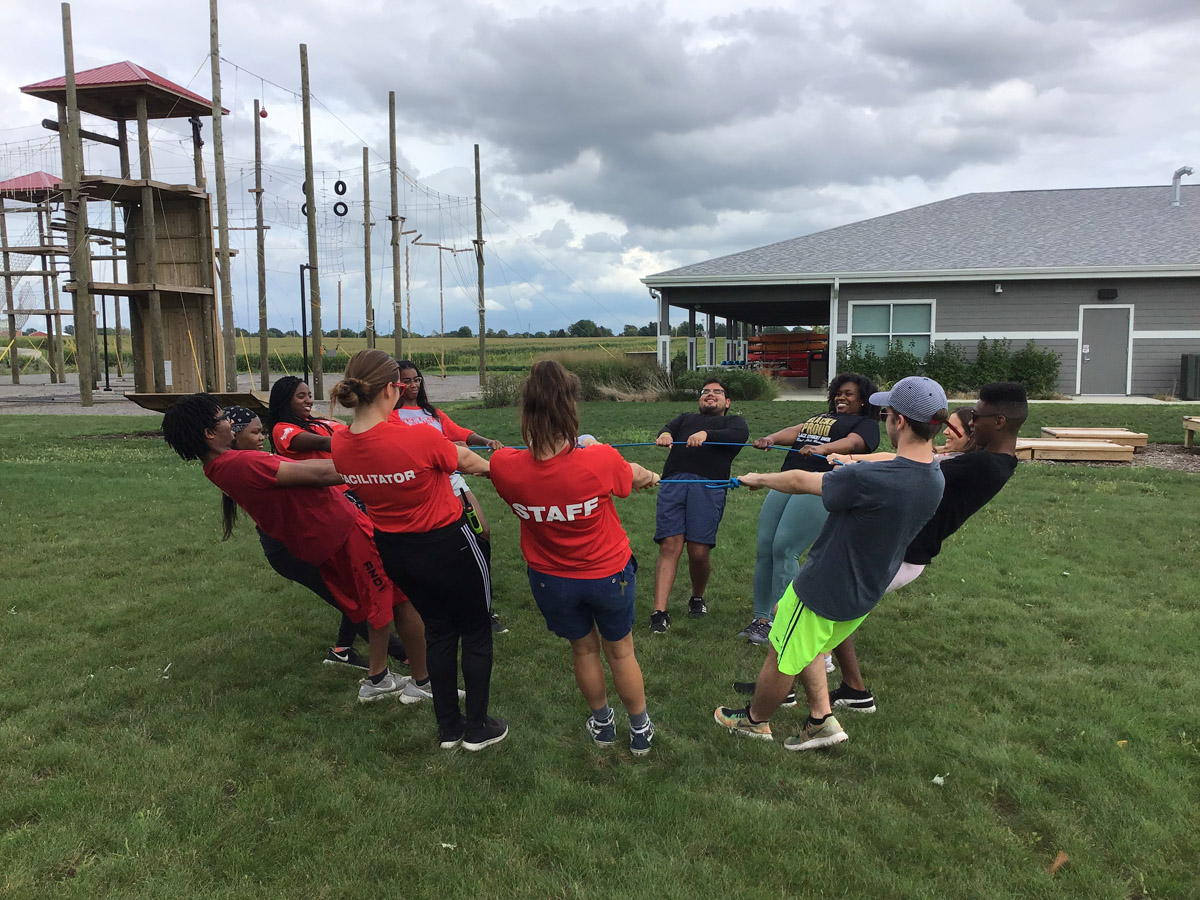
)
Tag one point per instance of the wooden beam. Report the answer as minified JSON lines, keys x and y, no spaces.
{"x":158,"y":342}
{"x":51,"y":125}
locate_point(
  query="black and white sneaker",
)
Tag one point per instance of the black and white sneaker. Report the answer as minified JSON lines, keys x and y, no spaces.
{"x":346,"y":656}
{"x":696,"y":608}
{"x":492,"y":731}
{"x":498,"y":627}
{"x":847,"y":698}
{"x":660,"y":621}
{"x":747,"y":687}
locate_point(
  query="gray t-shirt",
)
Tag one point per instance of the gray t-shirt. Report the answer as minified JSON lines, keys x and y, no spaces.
{"x":875,"y":510}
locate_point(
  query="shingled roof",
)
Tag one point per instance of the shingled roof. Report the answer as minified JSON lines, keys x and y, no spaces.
{"x":111,"y":91}
{"x":992,"y":233}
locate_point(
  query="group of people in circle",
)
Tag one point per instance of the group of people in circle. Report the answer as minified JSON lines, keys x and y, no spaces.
{"x":376,"y":518}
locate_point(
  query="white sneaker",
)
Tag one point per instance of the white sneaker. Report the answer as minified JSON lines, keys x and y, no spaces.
{"x":415,"y":693}
{"x":829,"y":666}
{"x":392,"y":685}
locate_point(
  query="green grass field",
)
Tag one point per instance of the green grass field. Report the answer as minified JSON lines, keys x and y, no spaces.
{"x":167,"y":729}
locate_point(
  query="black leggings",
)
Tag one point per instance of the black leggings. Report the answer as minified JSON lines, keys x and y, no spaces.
{"x":445,"y":573}
{"x":307,"y":575}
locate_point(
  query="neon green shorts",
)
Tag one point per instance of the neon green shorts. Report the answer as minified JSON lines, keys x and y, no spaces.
{"x":799,"y":635}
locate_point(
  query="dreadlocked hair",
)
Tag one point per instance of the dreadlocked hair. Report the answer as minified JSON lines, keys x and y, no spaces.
{"x":280,"y":407}
{"x":185,"y":422}
{"x":422,"y":397}
{"x":229,"y":511}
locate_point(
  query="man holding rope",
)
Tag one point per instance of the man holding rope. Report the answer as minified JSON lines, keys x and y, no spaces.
{"x":690,"y":513}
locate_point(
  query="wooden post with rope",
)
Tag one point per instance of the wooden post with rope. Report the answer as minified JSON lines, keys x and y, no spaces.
{"x":227,"y":342}
{"x":264,"y":373}
{"x":77,"y":222}
{"x":310,"y":198}
{"x":158,"y":342}
{"x":479,"y":267}
{"x":394,"y":173}
{"x":370,"y":326}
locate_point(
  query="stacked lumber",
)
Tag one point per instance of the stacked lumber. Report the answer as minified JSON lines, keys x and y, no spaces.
{"x":1076,"y":451}
{"x":1133,"y":439}
{"x":1191,"y":424}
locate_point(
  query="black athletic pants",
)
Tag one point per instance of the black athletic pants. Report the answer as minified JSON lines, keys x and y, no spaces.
{"x":445,"y":573}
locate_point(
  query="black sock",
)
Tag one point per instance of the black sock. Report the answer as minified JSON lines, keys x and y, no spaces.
{"x":812,"y":721}
{"x":750,"y":718}
{"x":423,"y":683}
{"x":375,"y":679}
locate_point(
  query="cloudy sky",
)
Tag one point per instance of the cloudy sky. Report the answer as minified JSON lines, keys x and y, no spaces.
{"x":621,"y":140}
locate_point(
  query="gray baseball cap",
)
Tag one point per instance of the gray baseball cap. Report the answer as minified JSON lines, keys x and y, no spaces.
{"x":915,"y":397}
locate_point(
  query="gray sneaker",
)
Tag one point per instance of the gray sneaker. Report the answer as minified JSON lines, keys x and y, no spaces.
{"x":392,"y":685}
{"x":415,"y":693}
{"x":758,"y":632}
{"x":814,"y":737}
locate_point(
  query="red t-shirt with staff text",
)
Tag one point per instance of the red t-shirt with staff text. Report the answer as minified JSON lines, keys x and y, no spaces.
{"x":569,"y":525}
{"x":312,"y":522}
{"x":402,"y":474}
{"x":283,"y":433}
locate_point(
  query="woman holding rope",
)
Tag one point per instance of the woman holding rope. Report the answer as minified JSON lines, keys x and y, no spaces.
{"x":414,"y":408}
{"x":789,"y":523}
{"x":581,"y":568}
{"x":427,"y":544}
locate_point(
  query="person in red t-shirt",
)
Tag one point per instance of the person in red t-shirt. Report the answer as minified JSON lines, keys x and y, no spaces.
{"x":294,"y":503}
{"x":581,"y":567}
{"x":428,"y":548}
{"x":295,"y":432}
{"x":414,"y":408}
{"x":248,"y":434}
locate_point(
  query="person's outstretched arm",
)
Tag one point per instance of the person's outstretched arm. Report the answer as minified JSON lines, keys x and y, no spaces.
{"x":794,"y":481}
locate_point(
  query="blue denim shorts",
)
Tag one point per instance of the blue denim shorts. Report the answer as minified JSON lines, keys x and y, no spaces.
{"x":692,"y":510}
{"x":571,"y":606}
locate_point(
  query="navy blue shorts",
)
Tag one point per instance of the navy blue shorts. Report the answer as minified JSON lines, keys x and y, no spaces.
{"x":571,"y":606}
{"x":692,"y":510}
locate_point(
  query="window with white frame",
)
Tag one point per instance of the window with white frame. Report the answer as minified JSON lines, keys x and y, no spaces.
{"x":879,"y":325}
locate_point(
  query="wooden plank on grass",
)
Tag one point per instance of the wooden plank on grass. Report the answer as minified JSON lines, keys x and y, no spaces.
{"x":1115,"y":435}
{"x":1191,"y":424}
{"x":1079,"y":451}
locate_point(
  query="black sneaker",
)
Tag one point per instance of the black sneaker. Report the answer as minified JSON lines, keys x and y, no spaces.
{"x":660,"y":621}
{"x":346,"y":656}
{"x":696,"y":608}
{"x":449,"y":738}
{"x":492,"y":731}
{"x":848,"y":698}
{"x":498,"y":627}
{"x":747,"y":687}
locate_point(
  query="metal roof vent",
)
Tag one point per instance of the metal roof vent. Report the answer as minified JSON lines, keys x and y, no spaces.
{"x":1179,"y":173}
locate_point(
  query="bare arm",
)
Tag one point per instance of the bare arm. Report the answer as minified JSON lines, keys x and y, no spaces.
{"x":643,"y":478}
{"x":794,"y":481}
{"x":307,"y":473}
{"x":475,"y":439}
{"x":471,"y":463}
{"x":306,"y":441}
{"x":784,"y":438}
{"x":880,"y":456}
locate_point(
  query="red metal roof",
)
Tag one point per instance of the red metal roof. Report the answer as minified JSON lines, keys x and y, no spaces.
{"x":107,"y":79}
{"x":38,"y":181}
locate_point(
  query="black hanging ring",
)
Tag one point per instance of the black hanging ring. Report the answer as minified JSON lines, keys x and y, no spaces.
{"x":339,"y":187}
{"x":304,"y":210}
{"x":340,"y":208}
{"x":304,"y":188}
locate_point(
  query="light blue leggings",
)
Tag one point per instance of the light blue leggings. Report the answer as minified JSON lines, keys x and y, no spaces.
{"x":787,"y":526}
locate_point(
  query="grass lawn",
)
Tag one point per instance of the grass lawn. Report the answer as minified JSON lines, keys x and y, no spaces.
{"x":167,"y":729}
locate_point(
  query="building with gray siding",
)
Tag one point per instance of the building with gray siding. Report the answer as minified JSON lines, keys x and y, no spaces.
{"x":1108,"y":278}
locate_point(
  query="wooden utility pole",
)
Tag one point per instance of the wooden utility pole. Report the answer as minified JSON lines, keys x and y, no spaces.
{"x":9,"y":299}
{"x":46,"y":238}
{"x":339,"y":325}
{"x":407,"y":290}
{"x":310,"y":199}
{"x":158,"y":350}
{"x":117,"y":297}
{"x":264,"y":376}
{"x":123,"y":148}
{"x":394,"y":172}
{"x":370,"y":327}
{"x":81,"y":253}
{"x":479,"y":267}
{"x":50,"y":317}
{"x":222,"y":207}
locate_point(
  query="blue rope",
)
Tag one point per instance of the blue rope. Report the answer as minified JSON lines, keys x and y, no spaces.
{"x":655,"y":444}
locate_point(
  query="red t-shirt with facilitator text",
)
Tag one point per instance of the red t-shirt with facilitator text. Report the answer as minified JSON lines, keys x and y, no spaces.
{"x":313,"y":522}
{"x":284,"y":433}
{"x":569,"y":525}
{"x":402,"y":474}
